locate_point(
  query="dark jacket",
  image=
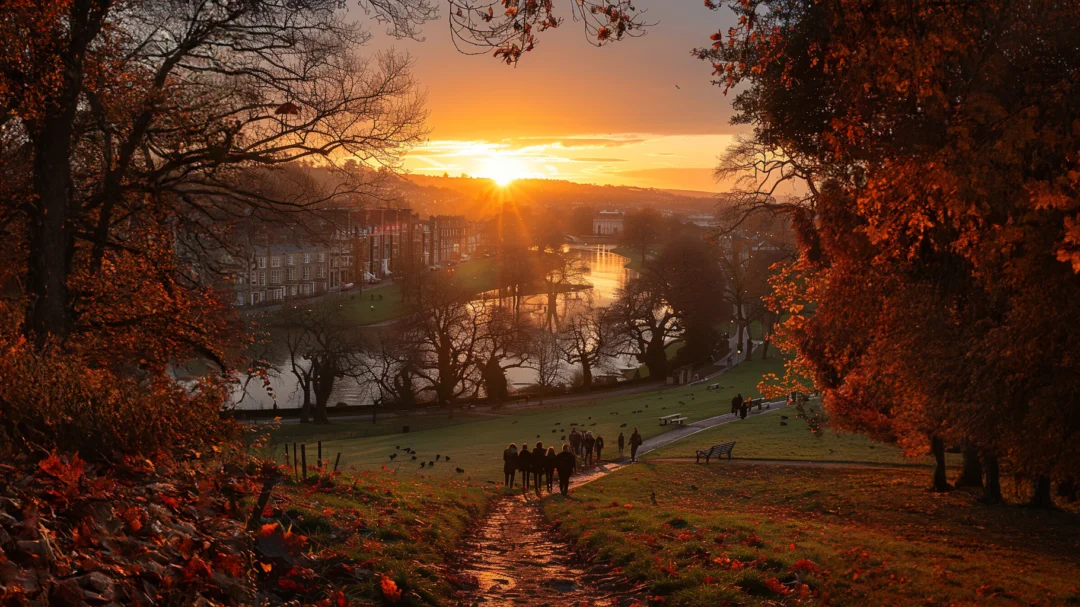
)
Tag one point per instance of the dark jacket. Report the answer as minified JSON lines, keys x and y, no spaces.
{"x":510,"y":461}
{"x":589,"y":442}
{"x":525,"y":461}
{"x":635,"y":440}
{"x":538,"y":455}
{"x":599,"y":444}
{"x":565,"y":463}
{"x":622,"y":440}
{"x":550,"y":462}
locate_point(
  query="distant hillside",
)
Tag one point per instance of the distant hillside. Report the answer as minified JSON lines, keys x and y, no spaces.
{"x":477,"y":197}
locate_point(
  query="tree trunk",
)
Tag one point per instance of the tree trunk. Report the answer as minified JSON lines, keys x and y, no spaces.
{"x":305,"y":409}
{"x":971,"y":474}
{"x":50,"y":243}
{"x":586,"y":375}
{"x":764,"y":348}
{"x":937,"y":448}
{"x":1040,"y":498}
{"x":992,"y":488}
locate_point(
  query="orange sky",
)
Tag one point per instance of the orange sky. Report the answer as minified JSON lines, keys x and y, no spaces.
{"x":611,"y":115}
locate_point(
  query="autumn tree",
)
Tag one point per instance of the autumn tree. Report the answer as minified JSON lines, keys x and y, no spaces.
{"x":938,"y":228}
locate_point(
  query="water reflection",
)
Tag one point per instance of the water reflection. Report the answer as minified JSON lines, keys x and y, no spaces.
{"x":602,"y":269}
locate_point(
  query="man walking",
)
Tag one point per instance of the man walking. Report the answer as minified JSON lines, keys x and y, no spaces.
{"x":589,"y":443}
{"x":565,"y":463}
{"x":635,"y":442}
{"x":736,"y":404}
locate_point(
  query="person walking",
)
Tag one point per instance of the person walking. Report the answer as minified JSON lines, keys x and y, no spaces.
{"x":538,"y":456}
{"x":510,"y":465}
{"x":589,"y":443}
{"x":736,"y":404}
{"x":525,"y":465}
{"x":566,"y":464}
{"x":598,"y":447}
{"x":550,"y":463}
{"x":622,"y":443}
{"x":575,"y":441}
{"x":635,"y":442}
{"x":744,"y":406}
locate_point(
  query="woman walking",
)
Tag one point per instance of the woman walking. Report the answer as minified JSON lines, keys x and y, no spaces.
{"x":598,"y":446}
{"x":525,"y":465}
{"x":510,"y":464}
{"x":635,"y":442}
{"x":550,"y":463}
{"x":566,"y":464}
{"x":589,"y":443}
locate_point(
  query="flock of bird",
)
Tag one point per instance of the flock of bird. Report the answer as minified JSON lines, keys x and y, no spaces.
{"x":423,"y":465}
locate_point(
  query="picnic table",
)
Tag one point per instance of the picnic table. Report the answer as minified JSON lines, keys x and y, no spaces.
{"x":674,"y":418}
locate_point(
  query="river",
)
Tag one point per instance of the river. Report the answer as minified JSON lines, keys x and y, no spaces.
{"x":603,"y":270}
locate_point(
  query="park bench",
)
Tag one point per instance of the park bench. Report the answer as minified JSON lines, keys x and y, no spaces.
{"x":665,"y":419}
{"x":716,"y":451}
{"x":713,"y":387}
{"x":677,"y":420}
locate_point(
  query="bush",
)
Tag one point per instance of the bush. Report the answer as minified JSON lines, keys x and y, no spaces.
{"x":58,"y":403}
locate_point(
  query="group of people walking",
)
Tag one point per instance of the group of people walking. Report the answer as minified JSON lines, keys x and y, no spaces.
{"x":539,"y":464}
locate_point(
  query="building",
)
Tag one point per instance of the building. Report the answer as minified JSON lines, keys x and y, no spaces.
{"x":450,"y":238}
{"x":608,"y":223}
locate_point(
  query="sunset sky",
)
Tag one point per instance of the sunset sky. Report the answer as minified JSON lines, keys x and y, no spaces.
{"x":610,"y":115}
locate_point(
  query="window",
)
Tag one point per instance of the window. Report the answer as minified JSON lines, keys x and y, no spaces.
{"x":322,"y":271}
{"x":275,"y":262}
{"x":290,"y":274}
{"x":307,"y":289}
{"x":333,"y":262}
{"x":262,"y":262}
{"x":305,"y":273}
{"x":292,"y":290}
{"x":290,"y":260}
{"x":262,"y":279}
{"x":275,"y":277}
{"x":254,"y":276}
{"x":322,"y":257}
{"x":307,"y":257}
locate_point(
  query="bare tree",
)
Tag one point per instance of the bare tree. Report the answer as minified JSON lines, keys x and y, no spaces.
{"x":504,"y":344}
{"x":322,"y":349}
{"x":586,"y":337}
{"x":390,"y":363}
{"x":445,"y":333}
{"x":546,"y":357}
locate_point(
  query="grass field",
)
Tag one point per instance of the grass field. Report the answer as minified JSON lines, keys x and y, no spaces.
{"x":741,"y":534}
{"x":476,"y":446}
{"x":373,"y":524}
{"x":764,"y":437}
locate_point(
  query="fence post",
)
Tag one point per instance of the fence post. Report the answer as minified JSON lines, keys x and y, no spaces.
{"x":319,"y":462}
{"x":295,"y":472}
{"x":303,"y":459}
{"x":337,"y":461}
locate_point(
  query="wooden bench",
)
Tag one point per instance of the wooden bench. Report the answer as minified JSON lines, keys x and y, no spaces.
{"x":716,"y":451}
{"x":665,"y":419}
{"x":677,"y":420}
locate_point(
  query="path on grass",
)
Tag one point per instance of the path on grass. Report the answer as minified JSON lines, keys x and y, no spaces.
{"x":514,"y":559}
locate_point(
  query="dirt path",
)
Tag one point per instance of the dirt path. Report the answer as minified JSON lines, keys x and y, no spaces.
{"x":514,"y":559}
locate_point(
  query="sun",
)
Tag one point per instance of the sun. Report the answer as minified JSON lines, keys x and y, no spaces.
{"x":503,"y":169}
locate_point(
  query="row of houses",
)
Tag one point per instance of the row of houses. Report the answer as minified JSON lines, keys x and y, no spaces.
{"x":276,"y":262}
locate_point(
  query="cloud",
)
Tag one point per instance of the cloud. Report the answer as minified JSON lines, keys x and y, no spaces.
{"x":568,"y":143}
{"x":598,"y":159}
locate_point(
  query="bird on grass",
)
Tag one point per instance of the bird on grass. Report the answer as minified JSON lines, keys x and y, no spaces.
{"x":783,"y":423}
{"x":492,"y":483}
{"x":652,"y":496}
{"x":783,"y":417}
{"x":431,"y":464}
{"x":447,"y":458}
{"x":414,"y":458}
{"x":558,"y":423}
{"x":537,"y":436}
{"x":393,"y":456}
{"x":514,"y":422}
{"x":693,"y":487}
{"x":623,"y":426}
{"x":437,"y":456}
{"x":459,"y":470}
{"x":553,"y":432}
{"x":422,"y":464}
